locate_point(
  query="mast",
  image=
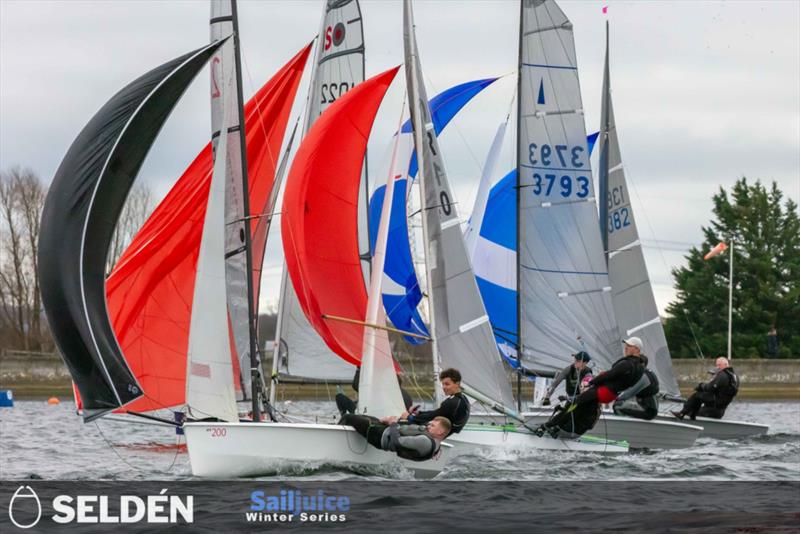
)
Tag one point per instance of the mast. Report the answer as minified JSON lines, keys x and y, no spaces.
{"x":519,"y":217}
{"x":603,"y":163}
{"x":255,"y":379}
{"x":416,"y":119}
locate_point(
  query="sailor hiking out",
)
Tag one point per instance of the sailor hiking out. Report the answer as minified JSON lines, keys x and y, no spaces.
{"x":640,"y":400}
{"x":455,"y":407}
{"x":712,"y":398}
{"x":411,"y":442}
{"x":605,"y":387}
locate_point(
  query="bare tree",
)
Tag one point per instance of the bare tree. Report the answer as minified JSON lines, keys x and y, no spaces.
{"x":136,"y":211}
{"x":22,"y":197}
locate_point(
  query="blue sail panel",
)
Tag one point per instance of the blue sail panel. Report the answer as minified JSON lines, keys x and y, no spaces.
{"x":401,"y":291}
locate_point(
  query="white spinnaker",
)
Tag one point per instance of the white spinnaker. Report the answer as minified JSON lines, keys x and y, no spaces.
{"x":378,"y":389}
{"x":632,"y":293}
{"x":223,"y":79}
{"x":564,"y":291}
{"x":459,"y":323}
{"x":338,"y":67}
{"x":209,"y":369}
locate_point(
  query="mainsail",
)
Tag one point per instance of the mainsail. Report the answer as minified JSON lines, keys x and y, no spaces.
{"x":564,"y":292}
{"x":319,"y":223}
{"x":339,"y":66}
{"x":632,"y":293}
{"x":83,"y":204}
{"x":459,"y":324}
{"x":150,"y":290}
{"x":224,"y":79}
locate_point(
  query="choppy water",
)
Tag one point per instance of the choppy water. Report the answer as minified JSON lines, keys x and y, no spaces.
{"x":50,"y":442}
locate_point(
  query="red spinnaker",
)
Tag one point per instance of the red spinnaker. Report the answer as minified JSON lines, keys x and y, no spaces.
{"x":319,"y":218}
{"x":151,"y":288}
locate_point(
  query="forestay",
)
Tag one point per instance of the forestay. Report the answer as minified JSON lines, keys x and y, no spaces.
{"x":632,"y":293}
{"x":565,"y":301}
{"x":459,"y":323}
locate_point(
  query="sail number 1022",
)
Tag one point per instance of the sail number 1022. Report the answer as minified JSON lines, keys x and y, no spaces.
{"x":332,"y":91}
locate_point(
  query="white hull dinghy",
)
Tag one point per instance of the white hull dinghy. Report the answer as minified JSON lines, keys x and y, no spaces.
{"x":228,"y":450}
{"x":488,"y":435}
{"x":638,"y":433}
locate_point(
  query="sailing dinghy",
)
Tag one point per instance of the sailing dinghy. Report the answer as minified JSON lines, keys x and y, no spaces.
{"x":632,"y":292}
{"x":461,"y":333}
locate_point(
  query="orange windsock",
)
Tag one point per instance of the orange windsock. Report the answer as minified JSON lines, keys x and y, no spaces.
{"x":719,"y":249}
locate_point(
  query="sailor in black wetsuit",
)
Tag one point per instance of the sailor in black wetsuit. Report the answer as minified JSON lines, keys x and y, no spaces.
{"x":455,"y":407}
{"x":644,"y":404}
{"x":347,"y":405}
{"x":607,"y":385}
{"x":412,"y":442}
{"x":580,"y":420}
{"x":572,"y":375}
{"x":710,"y":399}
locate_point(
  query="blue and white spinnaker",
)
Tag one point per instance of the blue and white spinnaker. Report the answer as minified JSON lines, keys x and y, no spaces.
{"x":401,"y":291}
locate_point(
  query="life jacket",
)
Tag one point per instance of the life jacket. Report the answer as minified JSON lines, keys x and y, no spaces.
{"x":726,"y":394}
{"x":652,"y":389}
{"x":574,"y":379}
{"x":412,"y":454}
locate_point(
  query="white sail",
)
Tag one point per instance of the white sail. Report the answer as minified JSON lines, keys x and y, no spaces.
{"x":378,"y":389}
{"x":338,"y":67}
{"x":564,"y":291}
{"x":223,"y":78}
{"x":209,"y":369}
{"x":632,"y":293}
{"x":459,"y":322}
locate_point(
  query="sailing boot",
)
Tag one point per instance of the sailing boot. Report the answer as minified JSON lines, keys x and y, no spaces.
{"x":540,"y":430}
{"x":678,"y":415}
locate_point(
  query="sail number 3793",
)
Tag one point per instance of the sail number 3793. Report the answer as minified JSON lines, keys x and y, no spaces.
{"x":559,"y":158}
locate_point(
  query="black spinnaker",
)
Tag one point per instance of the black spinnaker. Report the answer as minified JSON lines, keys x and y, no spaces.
{"x":82,"y":207}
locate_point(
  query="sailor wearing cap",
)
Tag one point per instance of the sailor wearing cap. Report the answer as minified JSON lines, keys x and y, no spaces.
{"x":573,"y":375}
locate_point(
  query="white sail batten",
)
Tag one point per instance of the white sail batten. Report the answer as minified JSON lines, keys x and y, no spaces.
{"x":632,"y":292}
{"x":459,"y":324}
{"x":564,"y":302}
{"x":338,"y":67}
{"x":378,"y":389}
{"x":209,"y":369}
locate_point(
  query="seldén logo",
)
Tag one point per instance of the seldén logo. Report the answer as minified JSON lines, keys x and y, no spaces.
{"x":25,"y":508}
{"x":21,"y":508}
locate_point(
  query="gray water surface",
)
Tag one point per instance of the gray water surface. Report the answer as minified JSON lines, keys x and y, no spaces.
{"x":38,"y":440}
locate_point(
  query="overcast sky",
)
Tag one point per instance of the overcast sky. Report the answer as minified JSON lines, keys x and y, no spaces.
{"x":704,"y":91}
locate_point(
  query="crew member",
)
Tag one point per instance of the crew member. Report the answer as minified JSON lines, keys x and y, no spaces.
{"x":411,"y":442}
{"x":606,"y":386}
{"x":644,"y":403}
{"x":455,"y":407}
{"x":710,"y":399}
{"x":580,"y":420}
{"x":573,"y":374}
